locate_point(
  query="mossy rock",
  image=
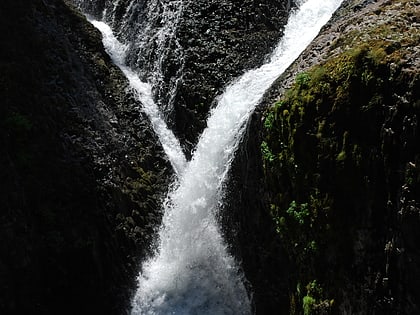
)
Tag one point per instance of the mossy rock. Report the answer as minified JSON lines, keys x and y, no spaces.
{"x":335,"y":148}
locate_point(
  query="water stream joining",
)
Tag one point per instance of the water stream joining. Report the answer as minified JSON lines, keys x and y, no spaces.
{"x":192,"y":271}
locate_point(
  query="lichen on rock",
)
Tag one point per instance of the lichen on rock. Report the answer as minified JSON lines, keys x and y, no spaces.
{"x":337,"y":147}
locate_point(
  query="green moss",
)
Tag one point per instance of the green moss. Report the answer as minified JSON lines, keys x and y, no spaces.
{"x":268,"y":156}
{"x":302,"y":226}
{"x":308,"y":304}
{"x":298,"y":212}
{"x":333,"y":136}
{"x":141,"y":184}
{"x":314,"y":302}
{"x":268,"y":122}
{"x":313,"y":134}
{"x":341,"y":156}
{"x":412,"y":176}
{"x":302,"y":79}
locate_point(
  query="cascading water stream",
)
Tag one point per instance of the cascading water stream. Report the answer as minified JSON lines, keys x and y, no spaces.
{"x":152,"y":42}
{"x":192,"y":271}
{"x":148,"y":28}
{"x":143,"y":90}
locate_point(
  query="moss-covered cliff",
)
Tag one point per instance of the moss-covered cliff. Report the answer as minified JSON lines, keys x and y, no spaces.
{"x":82,"y":172}
{"x":341,"y":157}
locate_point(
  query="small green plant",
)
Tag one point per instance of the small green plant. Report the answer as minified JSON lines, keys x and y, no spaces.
{"x":266,"y":152}
{"x":303,"y":79}
{"x":341,"y":156}
{"x":313,"y":288}
{"x":279,"y":104}
{"x":299,"y":212}
{"x":313,"y":302}
{"x":308,"y":304}
{"x":268,"y":122}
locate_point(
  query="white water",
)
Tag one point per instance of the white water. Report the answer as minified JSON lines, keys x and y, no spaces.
{"x":152,"y":41}
{"x":192,"y":272}
{"x":163,"y":38}
{"x":143,"y":90}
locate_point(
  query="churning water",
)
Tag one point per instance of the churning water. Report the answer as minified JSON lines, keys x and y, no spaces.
{"x":192,"y":271}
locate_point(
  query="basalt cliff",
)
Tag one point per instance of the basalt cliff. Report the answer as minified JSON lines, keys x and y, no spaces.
{"x":322,"y":203}
{"x":332,"y":158}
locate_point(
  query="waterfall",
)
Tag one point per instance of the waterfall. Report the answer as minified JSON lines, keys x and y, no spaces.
{"x":154,"y":44}
{"x":192,"y":271}
{"x":143,"y":91}
{"x":149,"y":30}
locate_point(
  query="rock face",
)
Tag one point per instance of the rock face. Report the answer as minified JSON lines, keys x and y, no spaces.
{"x":340,"y":162}
{"x":221,"y":39}
{"x":82,"y":172}
{"x":324,"y":191}
{"x":250,"y":230}
{"x":214,"y":41}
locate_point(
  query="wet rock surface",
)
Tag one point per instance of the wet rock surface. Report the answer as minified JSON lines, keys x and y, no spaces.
{"x":221,"y":40}
{"x":213,"y":43}
{"x":249,"y":227}
{"x":82,"y":172}
{"x":323,"y":195}
{"x":340,"y":164}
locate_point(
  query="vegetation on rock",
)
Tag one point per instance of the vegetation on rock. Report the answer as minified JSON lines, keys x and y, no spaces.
{"x":341,"y":162}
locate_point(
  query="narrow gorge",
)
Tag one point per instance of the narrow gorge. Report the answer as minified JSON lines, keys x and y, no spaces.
{"x":209,"y":157}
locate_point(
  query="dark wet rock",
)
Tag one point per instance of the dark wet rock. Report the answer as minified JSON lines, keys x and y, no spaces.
{"x":215,"y":41}
{"x":221,"y":40}
{"x":82,"y":174}
{"x":323,"y":194}
{"x":250,"y":229}
{"x":340,"y":156}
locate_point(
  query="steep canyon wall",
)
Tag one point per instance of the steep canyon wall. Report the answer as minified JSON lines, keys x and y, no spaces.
{"x":82,"y":173}
{"x":323,"y":194}
{"x":336,"y":146}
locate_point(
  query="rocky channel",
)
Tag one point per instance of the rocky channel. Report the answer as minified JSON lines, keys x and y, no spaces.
{"x":322,"y":202}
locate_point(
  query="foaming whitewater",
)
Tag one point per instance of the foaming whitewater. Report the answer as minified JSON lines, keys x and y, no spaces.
{"x":192,"y":272}
{"x":149,"y":28}
{"x":143,"y":91}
